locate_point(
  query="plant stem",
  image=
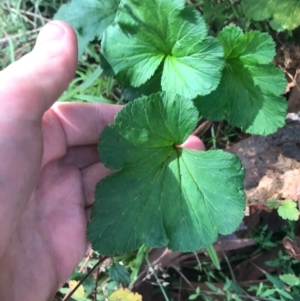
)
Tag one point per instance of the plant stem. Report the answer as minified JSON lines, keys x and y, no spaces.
{"x":158,"y":282}
{"x":70,"y":294}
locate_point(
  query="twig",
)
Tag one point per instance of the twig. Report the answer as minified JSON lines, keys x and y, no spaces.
{"x":179,"y":290}
{"x":198,"y":260}
{"x":30,"y":14}
{"x":70,"y":294}
{"x":220,"y":125}
{"x":202,"y":128}
{"x":158,"y":282}
{"x":86,"y":261}
{"x":141,"y":276}
{"x":229,"y":266}
{"x":96,"y":282}
{"x":233,"y":276}
{"x":183,"y":277}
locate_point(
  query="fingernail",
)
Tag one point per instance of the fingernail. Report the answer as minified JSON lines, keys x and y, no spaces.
{"x":52,"y":31}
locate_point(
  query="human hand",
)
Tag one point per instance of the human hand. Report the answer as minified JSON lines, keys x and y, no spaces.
{"x":49,"y":167}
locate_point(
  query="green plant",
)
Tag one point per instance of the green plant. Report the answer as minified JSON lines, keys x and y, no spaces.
{"x":263,"y":238}
{"x":283,"y":15}
{"x":195,"y":295}
{"x":285,"y":287}
{"x":250,"y":86}
{"x":167,"y":190}
{"x":89,"y":18}
{"x":161,"y":54}
{"x":287,"y":209}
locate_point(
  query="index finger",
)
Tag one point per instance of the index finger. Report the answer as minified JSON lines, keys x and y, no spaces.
{"x":82,"y":123}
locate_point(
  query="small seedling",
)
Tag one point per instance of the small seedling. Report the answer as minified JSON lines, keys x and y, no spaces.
{"x":287,"y":209}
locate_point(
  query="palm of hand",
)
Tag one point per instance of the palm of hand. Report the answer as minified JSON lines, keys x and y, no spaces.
{"x":48,"y":168}
{"x":49,"y":240}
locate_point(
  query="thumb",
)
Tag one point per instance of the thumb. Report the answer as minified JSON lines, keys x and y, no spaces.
{"x":30,"y":86}
{"x":27,"y":89}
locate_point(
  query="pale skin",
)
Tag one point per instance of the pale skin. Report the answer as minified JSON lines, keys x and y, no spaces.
{"x":49,"y":167}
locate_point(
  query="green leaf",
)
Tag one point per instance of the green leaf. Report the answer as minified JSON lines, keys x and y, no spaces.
{"x":149,"y":33}
{"x":152,"y":86}
{"x":248,"y":95}
{"x":268,"y":292}
{"x":212,"y":253}
{"x":89,"y":18}
{"x":212,"y":287}
{"x":284,"y":294}
{"x":260,"y":289}
{"x":161,"y":194}
{"x":227,"y":284}
{"x":288,"y":210}
{"x":272,"y":204}
{"x":283,"y":15}
{"x":290,"y":279}
{"x":118,"y":272}
{"x":275,"y":281}
{"x":135,"y":265}
{"x":196,"y":295}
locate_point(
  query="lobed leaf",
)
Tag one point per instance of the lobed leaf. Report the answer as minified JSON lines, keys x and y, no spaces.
{"x":89,"y":18}
{"x":118,"y":273}
{"x":283,"y":15}
{"x":149,"y":33}
{"x":288,"y":210}
{"x":272,"y":204}
{"x":290,"y":279}
{"x":161,"y":194}
{"x":248,"y":94}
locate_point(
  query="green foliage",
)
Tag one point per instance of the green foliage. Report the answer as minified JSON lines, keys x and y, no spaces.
{"x":263,"y":238}
{"x":88,"y":284}
{"x":89,"y":18}
{"x":272,"y":204}
{"x":168,"y":194}
{"x":282,"y":261}
{"x":195,"y":295}
{"x":288,"y":210}
{"x":136,"y":264}
{"x":283,"y":15}
{"x":83,"y":290}
{"x":277,"y":290}
{"x":87,"y":85}
{"x":283,"y":287}
{"x":275,"y":281}
{"x":290,"y":279}
{"x":118,"y":273}
{"x":154,"y":32}
{"x":248,"y":93}
{"x":211,"y":251}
